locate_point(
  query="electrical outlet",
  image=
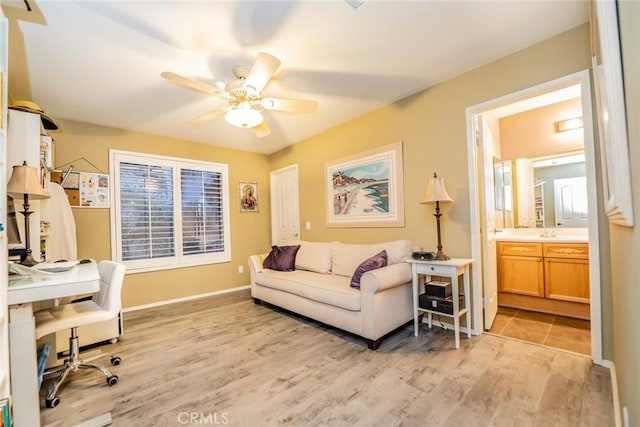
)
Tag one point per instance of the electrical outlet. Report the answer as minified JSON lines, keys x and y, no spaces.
{"x":308,"y":225}
{"x":241,"y":269}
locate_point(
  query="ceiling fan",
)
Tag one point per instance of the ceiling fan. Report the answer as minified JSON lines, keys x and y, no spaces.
{"x":244,"y":96}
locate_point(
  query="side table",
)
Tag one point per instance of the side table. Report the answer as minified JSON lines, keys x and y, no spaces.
{"x":452,"y":268}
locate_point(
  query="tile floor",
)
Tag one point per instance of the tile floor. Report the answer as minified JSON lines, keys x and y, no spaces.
{"x":547,"y":329}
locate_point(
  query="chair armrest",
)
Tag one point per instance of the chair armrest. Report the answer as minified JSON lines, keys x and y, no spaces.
{"x":385,"y":278}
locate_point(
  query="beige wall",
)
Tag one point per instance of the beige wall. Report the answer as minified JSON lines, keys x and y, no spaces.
{"x":625,"y":241}
{"x":532,"y":133}
{"x":250,"y":232}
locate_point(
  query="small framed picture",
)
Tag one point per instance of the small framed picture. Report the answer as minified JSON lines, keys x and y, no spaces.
{"x":248,"y":196}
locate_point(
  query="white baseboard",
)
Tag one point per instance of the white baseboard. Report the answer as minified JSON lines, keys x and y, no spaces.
{"x":614,"y":391}
{"x":183,"y":299}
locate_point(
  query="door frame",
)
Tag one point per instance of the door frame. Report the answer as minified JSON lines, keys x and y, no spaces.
{"x":583,"y":79}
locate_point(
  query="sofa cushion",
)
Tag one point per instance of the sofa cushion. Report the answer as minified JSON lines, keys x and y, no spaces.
{"x":346,"y":257}
{"x":281,"y":258}
{"x":328,"y":289}
{"x":314,"y":256}
{"x":377,"y":261}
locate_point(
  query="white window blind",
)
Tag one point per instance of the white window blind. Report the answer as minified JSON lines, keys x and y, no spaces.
{"x":146,"y":211}
{"x":202,"y":213}
{"x":168,"y":212}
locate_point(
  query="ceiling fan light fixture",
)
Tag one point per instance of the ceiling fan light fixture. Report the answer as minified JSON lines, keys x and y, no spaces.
{"x":243,"y":117}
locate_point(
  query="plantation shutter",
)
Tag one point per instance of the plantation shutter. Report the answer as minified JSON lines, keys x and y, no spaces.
{"x":202,"y":211}
{"x":146,"y":211}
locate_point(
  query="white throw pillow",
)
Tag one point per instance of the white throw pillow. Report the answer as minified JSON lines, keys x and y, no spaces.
{"x":314,"y":256}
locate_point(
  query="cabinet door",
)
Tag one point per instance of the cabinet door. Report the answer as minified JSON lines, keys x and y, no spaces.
{"x":567,"y":279}
{"x":521,"y":275}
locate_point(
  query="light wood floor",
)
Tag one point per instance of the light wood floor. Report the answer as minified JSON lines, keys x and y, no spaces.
{"x":225,"y":360}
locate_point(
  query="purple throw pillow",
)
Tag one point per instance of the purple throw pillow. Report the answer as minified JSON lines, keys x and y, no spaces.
{"x":377,"y":261}
{"x":281,"y":258}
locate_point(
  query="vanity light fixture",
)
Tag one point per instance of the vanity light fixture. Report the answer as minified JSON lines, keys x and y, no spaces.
{"x":569,"y":124}
{"x":436,"y":193}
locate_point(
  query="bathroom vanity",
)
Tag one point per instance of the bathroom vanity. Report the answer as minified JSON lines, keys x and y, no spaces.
{"x":544,"y":273}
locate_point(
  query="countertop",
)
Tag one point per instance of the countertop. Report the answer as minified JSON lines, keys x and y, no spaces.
{"x":508,"y":236}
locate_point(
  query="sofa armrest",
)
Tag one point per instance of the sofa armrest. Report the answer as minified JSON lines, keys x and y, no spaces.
{"x":255,"y":265}
{"x":385,"y":278}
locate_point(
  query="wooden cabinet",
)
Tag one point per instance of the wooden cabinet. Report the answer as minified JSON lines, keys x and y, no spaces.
{"x":548,"y":277}
{"x":566,"y":271}
{"x":520,"y":268}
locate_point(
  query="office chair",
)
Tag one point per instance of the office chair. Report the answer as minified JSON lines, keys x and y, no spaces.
{"x":104,"y":305}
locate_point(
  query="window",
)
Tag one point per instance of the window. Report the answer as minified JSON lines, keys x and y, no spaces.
{"x":168,"y":212}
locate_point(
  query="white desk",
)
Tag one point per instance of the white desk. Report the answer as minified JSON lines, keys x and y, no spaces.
{"x":451,"y":268}
{"x":24,"y":290}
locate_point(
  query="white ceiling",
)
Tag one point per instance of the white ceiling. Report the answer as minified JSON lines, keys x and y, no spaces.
{"x":100,"y":61}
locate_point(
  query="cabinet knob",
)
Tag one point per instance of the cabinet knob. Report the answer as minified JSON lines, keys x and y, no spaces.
{"x":432,"y":268}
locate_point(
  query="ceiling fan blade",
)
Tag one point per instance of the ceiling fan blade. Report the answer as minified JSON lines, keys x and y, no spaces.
{"x":209,"y":116}
{"x":292,"y":105}
{"x":262,"y":71}
{"x":190,"y":83}
{"x":262,"y":130}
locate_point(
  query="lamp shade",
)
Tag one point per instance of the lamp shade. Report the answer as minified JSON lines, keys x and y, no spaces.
{"x":436,"y":192}
{"x":244,"y":117}
{"x":25,"y":180}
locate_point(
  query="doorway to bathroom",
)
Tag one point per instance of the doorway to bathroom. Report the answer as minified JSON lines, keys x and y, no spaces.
{"x":516,"y":201}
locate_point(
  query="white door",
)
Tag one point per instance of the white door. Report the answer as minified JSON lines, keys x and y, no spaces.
{"x":570,"y":202}
{"x":285,"y":216}
{"x":487,"y":185}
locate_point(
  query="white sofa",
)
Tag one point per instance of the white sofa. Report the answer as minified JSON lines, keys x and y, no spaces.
{"x":319,"y":287}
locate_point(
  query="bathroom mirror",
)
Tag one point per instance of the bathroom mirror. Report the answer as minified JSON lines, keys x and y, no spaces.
{"x":559,"y":193}
{"x":562,"y":184}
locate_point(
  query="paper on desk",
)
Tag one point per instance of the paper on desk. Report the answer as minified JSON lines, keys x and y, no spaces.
{"x":55,"y":267}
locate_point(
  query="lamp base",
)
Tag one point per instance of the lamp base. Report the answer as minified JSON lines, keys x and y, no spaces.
{"x":28,"y":260}
{"x":441,"y":256}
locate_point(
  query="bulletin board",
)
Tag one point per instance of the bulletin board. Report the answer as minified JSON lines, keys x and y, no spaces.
{"x":84,"y":189}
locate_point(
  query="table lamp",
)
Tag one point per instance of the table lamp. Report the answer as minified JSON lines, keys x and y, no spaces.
{"x":25,"y":183}
{"x":436,"y":193}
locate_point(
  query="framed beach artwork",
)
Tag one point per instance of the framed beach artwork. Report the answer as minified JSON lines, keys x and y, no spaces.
{"x":366,"y":190}
{"x":248,"y":196}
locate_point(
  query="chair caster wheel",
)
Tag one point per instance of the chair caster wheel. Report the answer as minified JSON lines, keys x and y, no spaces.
{"x":112,"y":380}
{"x":52,"y":403}
{"x":115,"y":361}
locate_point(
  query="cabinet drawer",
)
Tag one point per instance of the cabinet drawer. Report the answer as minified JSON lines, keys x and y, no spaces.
{"x":520,"y":248}
{"x":566,"y":250}
{"x":435,"y":270}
